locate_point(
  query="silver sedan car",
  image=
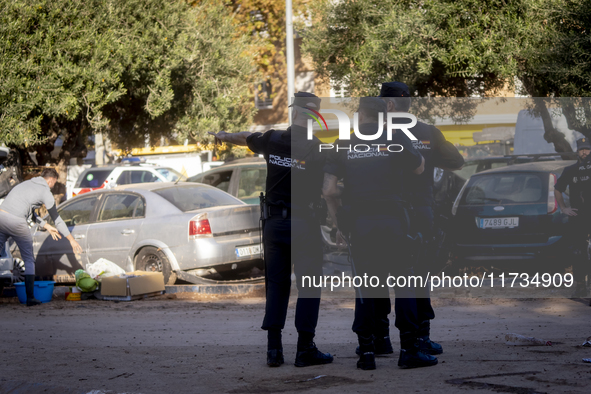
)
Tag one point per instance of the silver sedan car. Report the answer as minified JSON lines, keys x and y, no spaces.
{"x":182,"y":230}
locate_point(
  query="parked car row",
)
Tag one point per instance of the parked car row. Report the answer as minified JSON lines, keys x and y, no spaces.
{"x":504,"y":212}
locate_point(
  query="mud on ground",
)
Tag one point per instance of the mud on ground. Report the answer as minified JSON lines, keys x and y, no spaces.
{"x":188,"y":343}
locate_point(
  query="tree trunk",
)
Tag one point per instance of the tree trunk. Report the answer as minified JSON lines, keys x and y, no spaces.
{"x":551,"y":135}
{"x":569,"y":110}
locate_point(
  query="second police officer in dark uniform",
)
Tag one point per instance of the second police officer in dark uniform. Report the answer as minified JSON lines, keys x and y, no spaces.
{"x":438,"y":152}
{"x":373,"y":214}
{"x":577,"y":178}
{"x":291,"y":230}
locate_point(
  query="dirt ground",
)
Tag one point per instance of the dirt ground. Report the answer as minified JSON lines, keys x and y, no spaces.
{"x":187,"y":343}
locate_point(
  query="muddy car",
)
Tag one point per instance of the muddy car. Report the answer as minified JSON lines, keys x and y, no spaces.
{"x":10,"y":175}
{"x":184,"y":230}
{"x":243,"y":178}
{"x":509,"y":216}
{"x":12,"y":268}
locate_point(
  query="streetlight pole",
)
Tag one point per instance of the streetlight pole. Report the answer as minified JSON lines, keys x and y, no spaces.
{"x":290,"y":55}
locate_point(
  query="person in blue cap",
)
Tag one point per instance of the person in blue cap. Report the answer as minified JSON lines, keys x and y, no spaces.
{"x":291,"y":228}
{"x":577,"y":178}
{"x":438,"y":152}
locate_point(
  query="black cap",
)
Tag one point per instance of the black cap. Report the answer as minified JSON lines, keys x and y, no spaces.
{"x":583,"y":143}
{"x":306,"y":100}
{"x":373,"y":104}
{"x":394,"y":89}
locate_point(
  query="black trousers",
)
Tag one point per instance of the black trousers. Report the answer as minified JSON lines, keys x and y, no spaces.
{"x":290,"y":241}
{"x":578,"y":233}
{"x":422,"y":221}
{"x":378,"y":246}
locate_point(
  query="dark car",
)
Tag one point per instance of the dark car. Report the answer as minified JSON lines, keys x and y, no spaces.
{"x":242,"y":178}
{"x":447,"y":184}
{"x":510,"y":214}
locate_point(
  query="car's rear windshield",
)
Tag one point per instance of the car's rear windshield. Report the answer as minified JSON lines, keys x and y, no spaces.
{"x":170,"y":174}
{"x":93,"y":178}
{"x":189,"y":198}
{"x":506,"y":188}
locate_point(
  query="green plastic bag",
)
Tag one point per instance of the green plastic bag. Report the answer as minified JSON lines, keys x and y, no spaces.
{"x":84,"y":282}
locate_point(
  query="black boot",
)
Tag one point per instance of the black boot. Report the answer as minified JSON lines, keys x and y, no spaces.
{"x":367,"y":357}
{"x":410,"y":354}
{"x":30,"y":290}
{"x":274,"y":357}
{"x":382,"y":346}
{"x":308,"y":354}
{"x":274,"y":348}
{"x":426,"y":345}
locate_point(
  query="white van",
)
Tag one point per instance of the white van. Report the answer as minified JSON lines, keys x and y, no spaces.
{"x":529,"y":133}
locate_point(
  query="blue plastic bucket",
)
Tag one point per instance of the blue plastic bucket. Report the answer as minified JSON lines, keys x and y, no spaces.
{"x":43,"y":291}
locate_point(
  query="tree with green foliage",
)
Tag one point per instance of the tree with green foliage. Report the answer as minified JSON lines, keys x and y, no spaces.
{"x":131,"y":69}
{"x":449,"y":48}
{"x":458,"y":48}
{"x":264,"y":22}
{"x":560,"y":68}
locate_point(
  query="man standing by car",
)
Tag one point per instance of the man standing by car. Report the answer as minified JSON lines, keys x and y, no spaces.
{"x":374,"y":215}
{"x":577,"y":178}
{"x":438,"y":152}
{"x":17,"y":208}
{"x":291,"y":229}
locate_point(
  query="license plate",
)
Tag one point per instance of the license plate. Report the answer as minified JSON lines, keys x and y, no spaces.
{"x":245,"y":251}
{"x":499,"y":223}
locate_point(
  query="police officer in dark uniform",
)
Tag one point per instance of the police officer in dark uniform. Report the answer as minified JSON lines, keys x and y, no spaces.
{"x":577,"y":178}
{"x":373,"y":214}
{"x":438,"y":152}
{"x":291,"y":229}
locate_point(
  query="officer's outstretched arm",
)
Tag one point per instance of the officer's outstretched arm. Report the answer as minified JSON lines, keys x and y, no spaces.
{"x":419,"y":170}
{"x":232,"y":138}
{"x":331,"y":193}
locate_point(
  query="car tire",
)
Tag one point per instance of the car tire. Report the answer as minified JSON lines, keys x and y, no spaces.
{"x":18,"y":267}
{"x":151,"y":259}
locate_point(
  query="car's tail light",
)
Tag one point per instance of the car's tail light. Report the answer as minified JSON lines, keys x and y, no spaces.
{"x":454,"y":208}
{"x":199,"y":229}
{"x":552,"y":205}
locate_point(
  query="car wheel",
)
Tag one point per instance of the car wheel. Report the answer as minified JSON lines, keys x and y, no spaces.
{"x":151,"y":259}
{"x":18,"y":268}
